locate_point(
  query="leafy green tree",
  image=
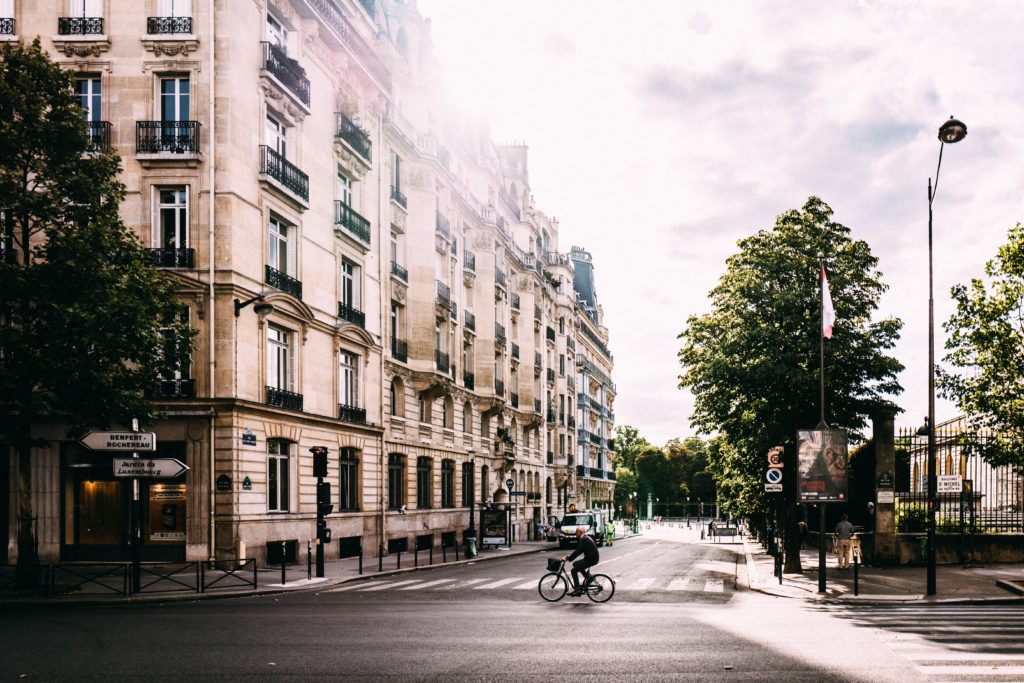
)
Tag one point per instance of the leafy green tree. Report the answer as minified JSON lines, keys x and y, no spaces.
{"x":625,"y":486}
{"x":752,"y":362}
{"x":628,"y":444}
{"x":87,"y":324}
{"x":986,"y":343}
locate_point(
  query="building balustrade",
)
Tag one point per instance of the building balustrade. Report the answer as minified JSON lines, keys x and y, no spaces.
{"x":470,"y":321}
{"x":469,"y":260}
{"x":399,"y":272}
{"x":400,"y":349}
{"x":80,"y":26}
{"x":283,"y":171}
{"x":550,"y":332}
{"x":469,"y":380}
{"x":173,"y":388}
{"x":172,"y":258}
{"x":286,"y":283}
{"x":174,"y":137}
{"x":348,"y":34}
{"x":357,"y":138}
{"x":99,"y":134}
{"x":168,"y":25}
{"x":281,"y":398}
{"x":441,"y":361}
{"x":398,"y":198}
{"x":444,"y":295}
{"x":354,"y":414}
{"x":286,"y":70}
{"x":352,"y":222}
{"x":351,"y":314}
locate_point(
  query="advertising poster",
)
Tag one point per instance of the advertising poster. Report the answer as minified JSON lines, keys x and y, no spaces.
{"x":821,"y":465}
{"x":494,"y":524}
{"x":167,"y":513}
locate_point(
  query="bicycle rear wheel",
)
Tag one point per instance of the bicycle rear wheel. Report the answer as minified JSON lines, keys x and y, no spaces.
{"x":552,"y":587}
{"x":601,"y":588}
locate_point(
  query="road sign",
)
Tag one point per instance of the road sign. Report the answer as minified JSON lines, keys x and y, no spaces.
{"x":518,"y":493}
{"x":149,"y":468}
{"x":510,"y":484}
{"x":773,"y":475}
{"x":131,"y":442}
{"x":773,"y":488}
{"x":775,"y":457}
{"x":948,"y":483}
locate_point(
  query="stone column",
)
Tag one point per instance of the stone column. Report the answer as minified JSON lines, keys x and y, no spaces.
{"x":886,"y":551}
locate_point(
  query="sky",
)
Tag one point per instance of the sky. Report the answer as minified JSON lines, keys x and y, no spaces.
{"x":661,"y":132}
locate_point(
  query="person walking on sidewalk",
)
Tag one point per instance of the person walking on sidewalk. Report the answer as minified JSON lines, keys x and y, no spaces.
{"x":844,"y":537}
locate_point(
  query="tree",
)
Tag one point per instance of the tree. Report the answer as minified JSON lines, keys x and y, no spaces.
{"x":625,"y":486}
{"x":986,"y":342}
{"x":752,"y":362}
{"x":628,"y":444}
{"x":87,"y":324}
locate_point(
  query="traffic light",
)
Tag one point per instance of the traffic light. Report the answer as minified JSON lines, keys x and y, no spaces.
{"x":323,"y":498}
{"x":933,"y":504}
{"x":323,"y":532}
{"x":319,"y":460}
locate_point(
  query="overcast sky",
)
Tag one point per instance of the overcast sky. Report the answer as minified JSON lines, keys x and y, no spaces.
{"x":660,"y":133}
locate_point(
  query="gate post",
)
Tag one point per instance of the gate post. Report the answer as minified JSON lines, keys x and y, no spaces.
{"x":886,"y":550}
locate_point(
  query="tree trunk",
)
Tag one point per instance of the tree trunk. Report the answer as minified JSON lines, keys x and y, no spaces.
{"x":26,"y":574}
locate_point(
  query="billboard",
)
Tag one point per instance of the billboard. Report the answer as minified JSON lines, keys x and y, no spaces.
{"x":821,"y":465}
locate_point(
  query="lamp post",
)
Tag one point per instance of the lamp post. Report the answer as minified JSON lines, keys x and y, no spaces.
{"x":951,"y":131}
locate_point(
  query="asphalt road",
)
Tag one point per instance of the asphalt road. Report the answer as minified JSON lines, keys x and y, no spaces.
{"x":678,"y":614}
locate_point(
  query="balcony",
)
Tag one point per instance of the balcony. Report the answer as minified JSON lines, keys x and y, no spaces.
{"x":351,"y":414}
{"x":444,"y":296}
{"x":537,"y":313}
{"x":499,"y":334}
{"x":550,"y":334}
{"x":400,"y":350}
{"x":551,"y":458}
{"x":173,"y":388}
{"x":551,"y":375}
{"x":351,"y":314}
{"x":354,"y":136}
{"x":551,"y":417}
{"x":537,"y":360}
{"x":286,"y":283}
{"x":536,"y":405}
{"x":469,"y":260}
{"x":570,"y":344}
{"x":161,"y":26}
{"x":99,"y":134}
{"x":611,"y":475}
{"x":287,"y":71}
{"x":80,"y":26}
{"x":499,"y":388}
{"x":572,"y":422}
{"x":515,"y":301}
{"x":284,"y":172}
{"x":582,"y":436}
{"x":469,"y":380}
{"x":348,"y":34}
{"x":441,"y":362}
{"x":167,"y":137}
{"x":515,"y":350}
{"x":499,"y":278}
{"x":515,"y":400}
{"x":470,"y":321}
{"x":284,"y":399}
{"x":442,"y":225}
{"x":595,"y":439}
{"x":6,"y":26}
{"x":398,"y":198}
{"x":352,"y":222}
{"x":399,"y":272}
{"x":173,"y":258}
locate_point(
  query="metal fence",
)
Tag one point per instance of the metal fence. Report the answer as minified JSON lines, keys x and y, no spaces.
{"x":992,"y":500}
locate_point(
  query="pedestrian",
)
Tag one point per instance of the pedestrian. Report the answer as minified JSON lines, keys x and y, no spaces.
{"x":844,"y":538}
{"x":609,"y":531}
{"x":540,"y":531}
{"x":802,"y":525}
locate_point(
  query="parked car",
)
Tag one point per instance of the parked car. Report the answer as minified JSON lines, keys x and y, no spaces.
{"x":552,"y":528}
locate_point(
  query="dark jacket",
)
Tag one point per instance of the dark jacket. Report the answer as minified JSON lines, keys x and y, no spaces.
{"x":587,"y":548}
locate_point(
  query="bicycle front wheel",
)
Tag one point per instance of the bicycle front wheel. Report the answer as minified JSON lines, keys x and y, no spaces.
{"x":601,"y":588}
{"x":552,"y":587}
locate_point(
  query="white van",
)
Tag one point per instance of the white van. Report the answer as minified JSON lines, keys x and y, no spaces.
{"x":592,"y":522}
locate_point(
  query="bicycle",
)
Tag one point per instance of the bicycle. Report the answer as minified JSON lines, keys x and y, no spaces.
{"x":555,"y":584}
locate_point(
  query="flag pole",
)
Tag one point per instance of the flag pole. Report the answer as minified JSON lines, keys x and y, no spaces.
{"x":821,"y":341}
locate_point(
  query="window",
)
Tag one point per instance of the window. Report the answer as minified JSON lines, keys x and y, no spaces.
{"x":349,"y":285}
{"x":172,"y":212}
{"x":394,"y":249}
{"x":467,"y":484}
{"x":279,"y":358}
{"x":447,"y":483}
{"x":89,"y":90}
{"x":349,"y":380}
{"x":344,"y":189}
{"x":174,"y":99}
{"x":395,"y":323}
{"x":561,"y":365}
{"x":396,"y":481}
{"x":348,"y":479}
{"x":174,"y":8}
{"x":279,"y":256}
{"x":396,"y":173}
{"x":183,"y":372}
{"x":278,"y":481}
{"x":276,"y":34}
{"x":561,"y":326}
{"x":397,"y":398}
{"x":426,"y":410}
{"x":86,"y":8}
{"x":277,"y":136}
{"x":424,"y":466}
{"x":467,"y":417}
{"x":448,"y":413}
{"x":484,"y":484}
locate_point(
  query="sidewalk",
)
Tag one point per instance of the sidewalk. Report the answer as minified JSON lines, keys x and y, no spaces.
{"x":1003,"y":583}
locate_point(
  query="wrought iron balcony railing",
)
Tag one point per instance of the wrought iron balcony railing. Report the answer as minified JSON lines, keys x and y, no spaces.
{"x":515,"y":400}
{"x":168,"y":25}
{"x":399,"y":349}
{"x":444,"y":295}
{"x":515,"y":350}
{"x":351,"y":414}
{"x":173,"y":258}
{"x":288,"y":400}
{"x":350,"y":219}
{"x":6,"y":26}
{"x":80,"y":26}
{"x":499,"y":277}
{"x":173,"y":388}
{"x":469,"y":380}
{"x":442,"y":362}
{"x":175,"y":137}
{"x":536,"y":313}
{"x":551,"y":333}
{"x":499,"y":388}
{"x":499,"y":333}
{"x":283,"y":171}
{"x":469,"y":260}
{"x":515,"y":301}
{"x":470,"y":321}
{"x":286,"y":70}
{"x":286,"y":283}
{"x":351,"y":314}
{"x":536,"y":359}
{"x":99,"y":134}
{"x":399,"y":272}
{"x":357,"y":138}
{"x":551,"y":375}
{"x":398,"y":198}
{"x":442,"y":225}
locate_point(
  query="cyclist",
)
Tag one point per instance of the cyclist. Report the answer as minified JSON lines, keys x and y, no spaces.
{"x":586,"y":546}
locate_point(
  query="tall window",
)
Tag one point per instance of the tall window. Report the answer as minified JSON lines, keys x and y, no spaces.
{"x":484,"y":483}
{"x":174,"y":98}
{"x":278,"y":254}
{"x":174,"y":8}
{"x":395,"y":319}
{"x":345,"y":189}
{"x":278,"y":481}
{"x":396,"y":172}
{"x":349,"y":380}
{"x":467,"y":484}
{"x":86,"y":8}
{"x":279,"y":358}
{"x":397,"y":399}
{"x":396,"y":481}
{"x":394,"y":249}
{"x":89,"y":90}
{"x":349,"y":284}
{"x":424,"y":466}
{"x":348,"y":479}
{"x":184,"y":371}
{"x":172,"y":208}
{"x":447,"y":483}
{"x":277,"y":136}
{"x":276,"y":34}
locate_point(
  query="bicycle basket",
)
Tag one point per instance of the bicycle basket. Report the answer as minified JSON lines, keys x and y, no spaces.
{"x":554,"y":565}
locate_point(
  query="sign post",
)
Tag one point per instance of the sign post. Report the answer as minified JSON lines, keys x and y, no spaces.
{"x":136,"y":507}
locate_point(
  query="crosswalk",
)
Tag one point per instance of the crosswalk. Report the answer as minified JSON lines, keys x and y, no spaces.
{"x":648,"y":584}
{"x":952,"y":642}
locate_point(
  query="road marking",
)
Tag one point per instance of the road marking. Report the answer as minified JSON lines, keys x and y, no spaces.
{"x":349,"y":587}
{"x":390,"y":584}
{"x":641,"y":584}
{"x":682,"y":585}
{"x":428,"y":584}
{"x":495,"y":584}
{"x":714,"y":586}
{"x":464,"y":584}
{"x":527,"y":586}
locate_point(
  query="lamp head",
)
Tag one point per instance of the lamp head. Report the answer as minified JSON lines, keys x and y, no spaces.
{"x":952,"y":131}
{"x":263,"y":308}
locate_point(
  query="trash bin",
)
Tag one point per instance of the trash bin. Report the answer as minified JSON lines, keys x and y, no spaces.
{"x":470,"y":546}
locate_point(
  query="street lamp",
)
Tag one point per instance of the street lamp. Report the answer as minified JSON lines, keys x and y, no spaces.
{"x":951,"y":131}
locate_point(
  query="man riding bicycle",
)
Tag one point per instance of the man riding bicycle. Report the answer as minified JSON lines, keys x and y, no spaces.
{"x":586,"y":546}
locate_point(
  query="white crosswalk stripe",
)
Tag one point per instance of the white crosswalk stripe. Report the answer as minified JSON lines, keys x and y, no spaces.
{"x":681,"y":584}
{"x":497,"y":584}
{"x":428,"y":584}
{"x":529,"y":585}
{"x":714,"y":586}
{"x":641,"y":584}
{"x":389,"y":584}
{"x":464,"y":584}
{"x":649,"y":584}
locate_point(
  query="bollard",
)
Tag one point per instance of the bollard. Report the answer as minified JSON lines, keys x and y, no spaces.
{"x":309,"y":559}
{"x":856,"y":562}
{"x":416,"y":556}
{"x":360,"y":560}
{"x":431,"y":554}
{"x":399,"y":565}
{"x":283,"y":550}
{"x":456,"y":552}
{"x":444,"y":553}
{"x":380,"y":558}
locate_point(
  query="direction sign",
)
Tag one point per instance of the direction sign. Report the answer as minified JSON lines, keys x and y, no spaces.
{"x":773,"y":475}
{"x":773,"y":488}
{"x":119,"y":441}
{"x":150,"y":468}
{"x":948,"y":483}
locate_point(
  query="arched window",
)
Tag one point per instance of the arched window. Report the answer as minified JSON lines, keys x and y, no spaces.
{"x":449,"y":413}
{"x":447,"y":483}
{"x":467,"y":484}
{"x":467,"y":417}
{"x":397,"y":405}
{"x":396,"y":481}
{"x":348,"y":479}
{"x":424,"y":472}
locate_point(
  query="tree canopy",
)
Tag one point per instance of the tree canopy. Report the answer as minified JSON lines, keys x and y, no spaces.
{"x":986,"y":345}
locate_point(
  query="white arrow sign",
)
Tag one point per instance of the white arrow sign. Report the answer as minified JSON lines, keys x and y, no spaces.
{"x":151,"y":468}
{"x":131,"y":442}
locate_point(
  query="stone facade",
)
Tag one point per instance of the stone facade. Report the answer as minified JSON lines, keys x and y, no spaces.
{"x":371,"y":276}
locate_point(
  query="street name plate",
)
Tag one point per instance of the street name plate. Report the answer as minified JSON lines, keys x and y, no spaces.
{"x":948,"y":483}
{"x":773,"y":488}
{"x":149,"y":468}
{"x":119,"y":441}
{"x":886,"y":497}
